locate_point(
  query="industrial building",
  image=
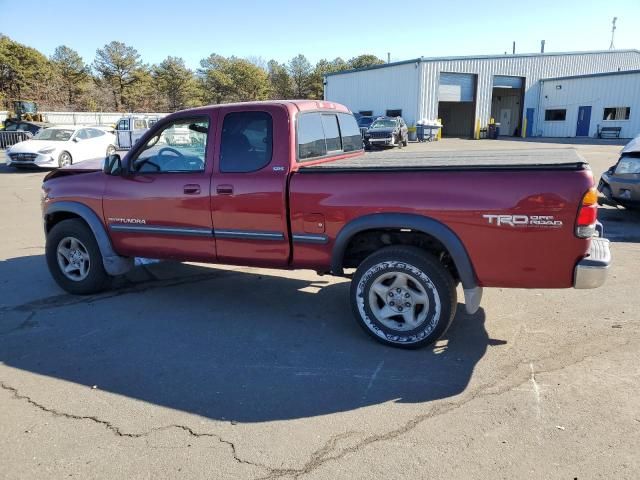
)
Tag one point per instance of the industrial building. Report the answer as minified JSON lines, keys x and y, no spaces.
{"x":467,"y":92}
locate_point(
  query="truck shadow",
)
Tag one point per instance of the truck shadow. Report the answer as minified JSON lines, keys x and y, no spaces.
{"x":245,"y":346}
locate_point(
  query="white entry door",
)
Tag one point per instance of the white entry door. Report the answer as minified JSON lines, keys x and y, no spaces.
{"x":505,"y":121}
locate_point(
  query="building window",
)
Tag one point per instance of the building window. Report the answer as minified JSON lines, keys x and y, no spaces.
{"x":556,"y":115}
{"x":394,"y":113}
{"x":616,"y":113}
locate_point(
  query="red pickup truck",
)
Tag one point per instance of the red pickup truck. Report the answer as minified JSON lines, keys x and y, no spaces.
{"x":285,"y":184}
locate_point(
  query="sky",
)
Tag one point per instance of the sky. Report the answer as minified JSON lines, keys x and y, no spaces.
{"x":280,"y":29}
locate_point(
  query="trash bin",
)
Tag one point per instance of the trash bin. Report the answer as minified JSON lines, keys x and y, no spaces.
{"x":493,"y":130}
{"x":420,"y":132}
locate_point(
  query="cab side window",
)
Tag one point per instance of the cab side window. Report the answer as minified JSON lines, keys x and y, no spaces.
{"x":123,"y":124}
{"x":247,"y":142}
{"x":180,"y":146}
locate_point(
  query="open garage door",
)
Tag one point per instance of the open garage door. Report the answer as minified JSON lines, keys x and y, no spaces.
{"x":507,"y":101}
{"x":457,"y":103}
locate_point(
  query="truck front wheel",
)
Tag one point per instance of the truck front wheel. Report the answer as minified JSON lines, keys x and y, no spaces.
{"x":74,"y":258}
{"x":403,"y":297}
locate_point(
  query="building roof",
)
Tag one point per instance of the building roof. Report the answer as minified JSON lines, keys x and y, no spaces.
{"x":589,"y":75}
{"x":483,"y":57}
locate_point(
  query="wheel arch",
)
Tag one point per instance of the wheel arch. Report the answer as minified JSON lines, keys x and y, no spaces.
{"x":54,"y":213}
{"x":419,"y":223}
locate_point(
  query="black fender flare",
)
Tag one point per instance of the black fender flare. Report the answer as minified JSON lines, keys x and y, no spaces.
{"x":419,"y":223}
{"x":114,"y":264}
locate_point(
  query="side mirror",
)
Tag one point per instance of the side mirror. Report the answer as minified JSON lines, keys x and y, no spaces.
{"x":112,"y":165}
{"x":76,"y":139}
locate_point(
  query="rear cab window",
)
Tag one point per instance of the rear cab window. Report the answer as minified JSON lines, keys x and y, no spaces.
{"x":324,"y":134}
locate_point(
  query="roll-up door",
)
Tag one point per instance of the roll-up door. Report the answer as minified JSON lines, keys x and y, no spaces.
{"x":456,"y":87}
{"x":507,"y":82}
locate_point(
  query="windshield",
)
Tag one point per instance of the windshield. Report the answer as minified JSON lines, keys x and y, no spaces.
{"x":54,"y":134}
{"x":385,"y":123}
{"x":628,"y":165}
{"x":365,"y":121}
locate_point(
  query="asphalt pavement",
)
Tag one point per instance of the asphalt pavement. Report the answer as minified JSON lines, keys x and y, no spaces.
{"x":209,"y":371}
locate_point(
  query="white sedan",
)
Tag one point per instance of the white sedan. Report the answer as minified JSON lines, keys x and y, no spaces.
{"x":61,"y":146}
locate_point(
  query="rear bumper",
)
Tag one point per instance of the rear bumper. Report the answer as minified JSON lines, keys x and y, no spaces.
{"x":591,"y":271}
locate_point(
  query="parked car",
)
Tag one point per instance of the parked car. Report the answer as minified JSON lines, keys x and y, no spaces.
{"x":19,"y":130}
{"x":621,"y":183}
{"x":387,"y":132}
{"x":284,"y":184}
{"x":364,"y":122}
{"x":61,"y":146}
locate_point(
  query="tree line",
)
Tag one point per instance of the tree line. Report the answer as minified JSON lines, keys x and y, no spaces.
{"x":119,"y":80}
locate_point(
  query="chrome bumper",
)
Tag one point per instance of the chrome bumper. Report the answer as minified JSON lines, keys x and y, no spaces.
{"x":591,"y":271}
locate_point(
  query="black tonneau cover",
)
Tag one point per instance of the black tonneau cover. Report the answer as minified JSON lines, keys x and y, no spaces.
{"x":542,"y":158}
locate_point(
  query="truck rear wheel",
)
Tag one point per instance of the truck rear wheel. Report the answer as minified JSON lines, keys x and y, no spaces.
{"x":403,"y":297}
{"x":74,"y":258}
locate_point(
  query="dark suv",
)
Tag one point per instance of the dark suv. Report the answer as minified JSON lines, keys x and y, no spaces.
{"x":387,"y":132}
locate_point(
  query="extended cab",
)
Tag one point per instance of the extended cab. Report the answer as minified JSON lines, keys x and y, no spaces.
{"x":285,"y":184}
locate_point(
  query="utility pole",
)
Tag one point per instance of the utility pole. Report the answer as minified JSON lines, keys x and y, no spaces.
{"x":613,"y":32}
{"x":542,"y":46}
{"x":514,"y":49}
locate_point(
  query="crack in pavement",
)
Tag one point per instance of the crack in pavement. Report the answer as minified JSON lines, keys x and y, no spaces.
{"x":26,"y":324}
{"x":323,"y":455}
{"x":329,"y":451}
{"x":66,"y":300}
{"x":118,"y":432}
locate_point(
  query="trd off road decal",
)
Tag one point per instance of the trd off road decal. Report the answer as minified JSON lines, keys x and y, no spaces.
{"x":523,"y":220}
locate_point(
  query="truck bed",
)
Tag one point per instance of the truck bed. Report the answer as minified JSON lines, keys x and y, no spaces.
{"x":544,"y":159}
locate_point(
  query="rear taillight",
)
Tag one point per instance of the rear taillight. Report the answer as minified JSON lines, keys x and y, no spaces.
{"x":587,"y":214}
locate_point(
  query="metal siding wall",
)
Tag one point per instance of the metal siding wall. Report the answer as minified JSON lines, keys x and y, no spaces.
{"x":597,"y":92}
{"x":378,"y":90}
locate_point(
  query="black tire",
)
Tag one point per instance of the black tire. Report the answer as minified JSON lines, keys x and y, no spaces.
{"x":425,"y":273}
{"x":405,"y":142}
{"x":96,"y":278}
{"x":64,"y":159}
{"x":399,"y":141}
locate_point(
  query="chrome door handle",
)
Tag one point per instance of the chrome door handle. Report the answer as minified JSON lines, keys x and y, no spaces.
{"x":191,"y":189}
{"x":224,"y":189}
